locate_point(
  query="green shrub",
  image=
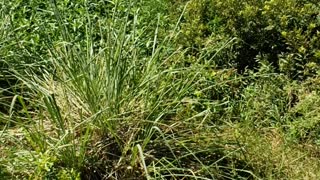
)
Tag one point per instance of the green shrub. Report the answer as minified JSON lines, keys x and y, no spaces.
{"x":284,"y":33}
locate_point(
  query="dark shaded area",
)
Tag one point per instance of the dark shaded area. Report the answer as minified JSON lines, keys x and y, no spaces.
{"x":7,"y":91}
{"x":103,"y":163}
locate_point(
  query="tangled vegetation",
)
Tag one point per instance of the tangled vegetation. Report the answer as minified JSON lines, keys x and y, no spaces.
{"x":160,"y":89}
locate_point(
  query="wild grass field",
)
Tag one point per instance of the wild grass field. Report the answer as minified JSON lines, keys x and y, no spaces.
{"x":159,"y":89}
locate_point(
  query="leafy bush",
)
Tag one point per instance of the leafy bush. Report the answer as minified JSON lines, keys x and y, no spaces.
{"x":284,"y":33}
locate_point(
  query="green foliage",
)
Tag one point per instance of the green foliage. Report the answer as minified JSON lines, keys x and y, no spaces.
{"x":284,"y":33}
{"x":120,"y":90}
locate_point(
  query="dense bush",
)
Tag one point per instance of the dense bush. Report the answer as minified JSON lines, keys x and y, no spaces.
{"x":284,"y":33}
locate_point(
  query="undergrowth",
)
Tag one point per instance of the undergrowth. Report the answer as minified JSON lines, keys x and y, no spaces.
{"x":105,"y":90}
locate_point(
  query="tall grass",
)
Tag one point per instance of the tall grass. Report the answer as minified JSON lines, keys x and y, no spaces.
{"x":104,"y":92}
